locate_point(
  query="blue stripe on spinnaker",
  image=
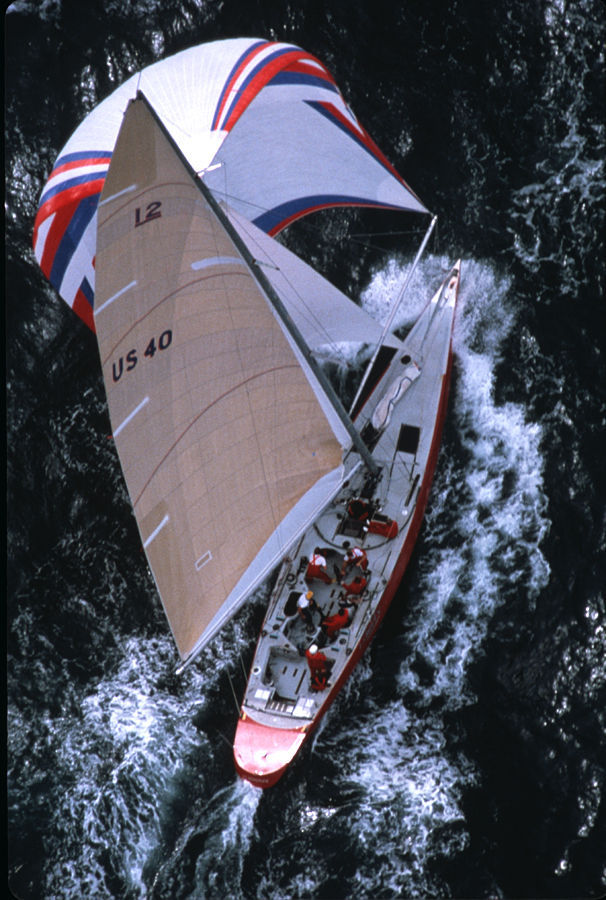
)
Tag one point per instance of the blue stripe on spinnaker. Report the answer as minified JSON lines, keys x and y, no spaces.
{"x":286,"y":77}
{"x":285,"y":212}
{"x":87,"y":290}
{"x":70,"y":183}
{"x":71,"y":238}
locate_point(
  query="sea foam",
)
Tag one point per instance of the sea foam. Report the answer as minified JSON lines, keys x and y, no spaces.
{"x":481,"y":540}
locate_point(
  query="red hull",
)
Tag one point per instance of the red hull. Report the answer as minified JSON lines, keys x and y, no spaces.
{"x":261,"y":753}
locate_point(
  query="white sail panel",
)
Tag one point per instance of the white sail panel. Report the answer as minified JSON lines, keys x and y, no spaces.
{"x":266,"y":119}
{"x":218,"y":430}
{"x":308,"y":155}
{"x":322,"y":313}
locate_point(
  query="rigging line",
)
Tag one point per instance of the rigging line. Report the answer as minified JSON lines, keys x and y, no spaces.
{"x":313,"y":317}
{"x":357,"y":239}
{"x":395,"y":308}
{"x":368,"y":245}
{"x":233,"y":692}
{"x":222,"y":736}
{"x":407,"y":231}
{"x":304,"y":223}
{"x":337,"y":355}
{"x":307,"y":226}
{"x":227,"y":198}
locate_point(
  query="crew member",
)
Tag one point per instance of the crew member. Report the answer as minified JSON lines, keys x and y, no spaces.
{"x":318,"y":667}
{"x":354,"y":556}
{"x":316,"y":568}
{"x":359,"y":510}
{"x":355,"y":586}
{"x":305,"y":606}
{"x":333,"y":624}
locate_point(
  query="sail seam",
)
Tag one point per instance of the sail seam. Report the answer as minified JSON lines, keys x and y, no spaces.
{"x":202,"y":412}
{"x":172,"y":294}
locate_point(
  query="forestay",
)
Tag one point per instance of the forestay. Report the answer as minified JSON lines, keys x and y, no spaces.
{"x":221,"y":429}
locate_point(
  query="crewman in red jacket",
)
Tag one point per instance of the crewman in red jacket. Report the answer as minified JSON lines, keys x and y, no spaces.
{"x":355,"y":586}
{"x":333,"y":624}
{"x":359,"y":510}
{"x":318,"y":667}
{"x":354,"y":556}
{"x":316,"y":568}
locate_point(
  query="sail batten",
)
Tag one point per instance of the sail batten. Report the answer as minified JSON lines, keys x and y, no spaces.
{"x":220,"y":429}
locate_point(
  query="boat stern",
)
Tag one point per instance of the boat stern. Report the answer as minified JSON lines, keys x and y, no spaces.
{"x":262,"y":753}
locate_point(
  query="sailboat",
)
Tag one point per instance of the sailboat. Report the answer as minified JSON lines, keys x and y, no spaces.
{"x":158,"y":225}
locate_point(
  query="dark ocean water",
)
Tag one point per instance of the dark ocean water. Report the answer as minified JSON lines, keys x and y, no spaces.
{"x":467,"y":756}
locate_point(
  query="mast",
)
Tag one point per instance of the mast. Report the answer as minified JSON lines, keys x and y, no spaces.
{"x":277,"y":304}
{"x":394,"y":310}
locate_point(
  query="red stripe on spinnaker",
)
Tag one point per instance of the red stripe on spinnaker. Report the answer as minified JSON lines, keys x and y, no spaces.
{"x":83,"y":309}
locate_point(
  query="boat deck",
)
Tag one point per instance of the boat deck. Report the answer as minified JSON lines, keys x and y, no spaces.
{"x":280,"y":686}
{"x":280,"y":693}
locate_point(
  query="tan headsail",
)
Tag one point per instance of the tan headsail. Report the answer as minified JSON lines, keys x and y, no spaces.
{"x":219,"y":431}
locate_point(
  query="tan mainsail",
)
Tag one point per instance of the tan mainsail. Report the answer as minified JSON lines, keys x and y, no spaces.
{"x":218,"y":429}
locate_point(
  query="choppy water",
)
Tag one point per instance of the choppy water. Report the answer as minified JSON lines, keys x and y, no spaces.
{"x":479,"y":766}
